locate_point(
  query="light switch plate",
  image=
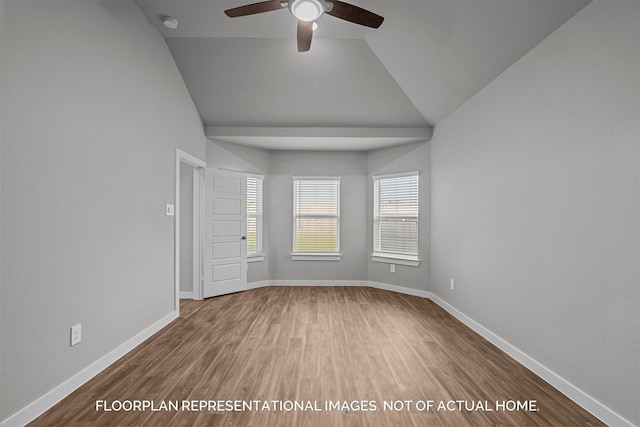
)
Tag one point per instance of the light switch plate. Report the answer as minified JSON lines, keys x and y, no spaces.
{"x":170,"y":209}
{"x":76,"y":334}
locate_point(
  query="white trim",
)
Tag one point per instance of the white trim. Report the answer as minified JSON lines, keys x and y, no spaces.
{"x":581,"y":398}
{"x":318,"y":283}
{"x":316,"y":178}
{"x":377,"y":285}
{"x":255,"y":258}
{"x":396,"y":175}
{"x":400,"y":289}
{"x":41,"y":405}
{"x":197,"y":233}
{"x":259,"y":284}
{"x":316,"y":256}
{"x":597,"y":409}
{"x":181,"y":156}
{"x":591,"y":405}
{"x":588,"y":403}
{"x":192,"y":160}
{"x":404,"y":134}
{"x":186,"y":295}
{"x":392,"y":259}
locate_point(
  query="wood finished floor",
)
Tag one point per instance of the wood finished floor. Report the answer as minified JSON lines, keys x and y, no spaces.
{"x":317,"y":344}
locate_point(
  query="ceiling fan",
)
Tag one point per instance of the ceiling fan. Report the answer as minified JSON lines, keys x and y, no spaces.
{"x":307,"y":11}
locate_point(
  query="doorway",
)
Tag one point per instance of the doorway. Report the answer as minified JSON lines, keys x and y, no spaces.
{"x":188,"y":226}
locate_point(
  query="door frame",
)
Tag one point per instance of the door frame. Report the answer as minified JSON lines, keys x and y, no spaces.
{"x":199,"y":165}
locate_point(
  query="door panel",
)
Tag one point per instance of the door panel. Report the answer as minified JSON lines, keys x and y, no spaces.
{"x":227,"y":184}
{"x":226,"y":250}
{"x":227,"y":206}
{"x":226,"y":272}
{"x":225,"y":228}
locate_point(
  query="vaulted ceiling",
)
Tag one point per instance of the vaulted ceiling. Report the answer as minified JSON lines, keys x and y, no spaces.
{"x":357,"y":88}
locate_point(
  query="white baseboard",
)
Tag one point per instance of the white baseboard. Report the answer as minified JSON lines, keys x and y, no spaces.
{"x":587,"y":402}
{"x":590,"y":404}
{"x":41,"y":405}
{"x":260,"y":284}
{"x":318,"y":283}
{"x":186,"y":295}
{"x":378,"y":285}
{"x":400,"y":289}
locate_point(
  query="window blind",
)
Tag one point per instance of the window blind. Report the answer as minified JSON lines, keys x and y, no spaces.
{"x":316,"y":215}
{"x":254,"y":214}
{"x":395,"y":216}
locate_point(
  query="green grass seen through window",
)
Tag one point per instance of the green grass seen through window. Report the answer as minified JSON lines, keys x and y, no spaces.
{"x":311,"y":242}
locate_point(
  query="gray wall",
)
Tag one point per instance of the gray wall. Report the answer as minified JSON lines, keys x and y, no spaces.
{"x":405,"y":158}
{"x":234,"y":157}
{"x":223,"y":155}
{"x":92,"y":110}
{"x":535,"y":205}
{"x":352,"y":168}
{"x":355,"y":169}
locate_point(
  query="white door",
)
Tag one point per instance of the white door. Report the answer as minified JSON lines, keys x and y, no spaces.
{"x":225,"y":249}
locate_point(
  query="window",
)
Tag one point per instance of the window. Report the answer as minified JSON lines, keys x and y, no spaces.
{"x":395,"y":218}
{"x":254,"y":215}
{"x":316,"y":218}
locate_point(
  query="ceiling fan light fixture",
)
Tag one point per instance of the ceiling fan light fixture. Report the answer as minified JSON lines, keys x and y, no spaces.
{"x":306,"y":10}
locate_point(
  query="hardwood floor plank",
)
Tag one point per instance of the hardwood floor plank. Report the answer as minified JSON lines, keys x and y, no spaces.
{"x":362,"y":356}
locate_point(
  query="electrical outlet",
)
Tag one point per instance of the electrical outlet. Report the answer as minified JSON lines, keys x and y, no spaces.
{"x":452,"y":285}
{"x":392,"y":268}
{"x":76,"y":334}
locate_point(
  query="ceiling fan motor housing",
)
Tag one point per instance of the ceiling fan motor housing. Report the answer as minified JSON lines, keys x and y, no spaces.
{"x":307,"y":10}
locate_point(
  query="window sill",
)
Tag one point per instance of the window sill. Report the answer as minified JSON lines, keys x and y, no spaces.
{"x":395,"y":259}
{"x":255,"y":258}
{"x":316,"y":256}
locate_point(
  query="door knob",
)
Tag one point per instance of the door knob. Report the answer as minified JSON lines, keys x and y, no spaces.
{"x":244,"y":237}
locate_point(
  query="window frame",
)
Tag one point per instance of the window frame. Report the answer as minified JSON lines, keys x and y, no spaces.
{"x":259,"y":254}
{"x":297,"y":255}
{"x":377,"y":254}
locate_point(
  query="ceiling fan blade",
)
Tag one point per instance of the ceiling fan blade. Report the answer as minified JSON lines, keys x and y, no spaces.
{"x":305,"y":32}
{"x":252,"y":9}
{"x":355,"y":14}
